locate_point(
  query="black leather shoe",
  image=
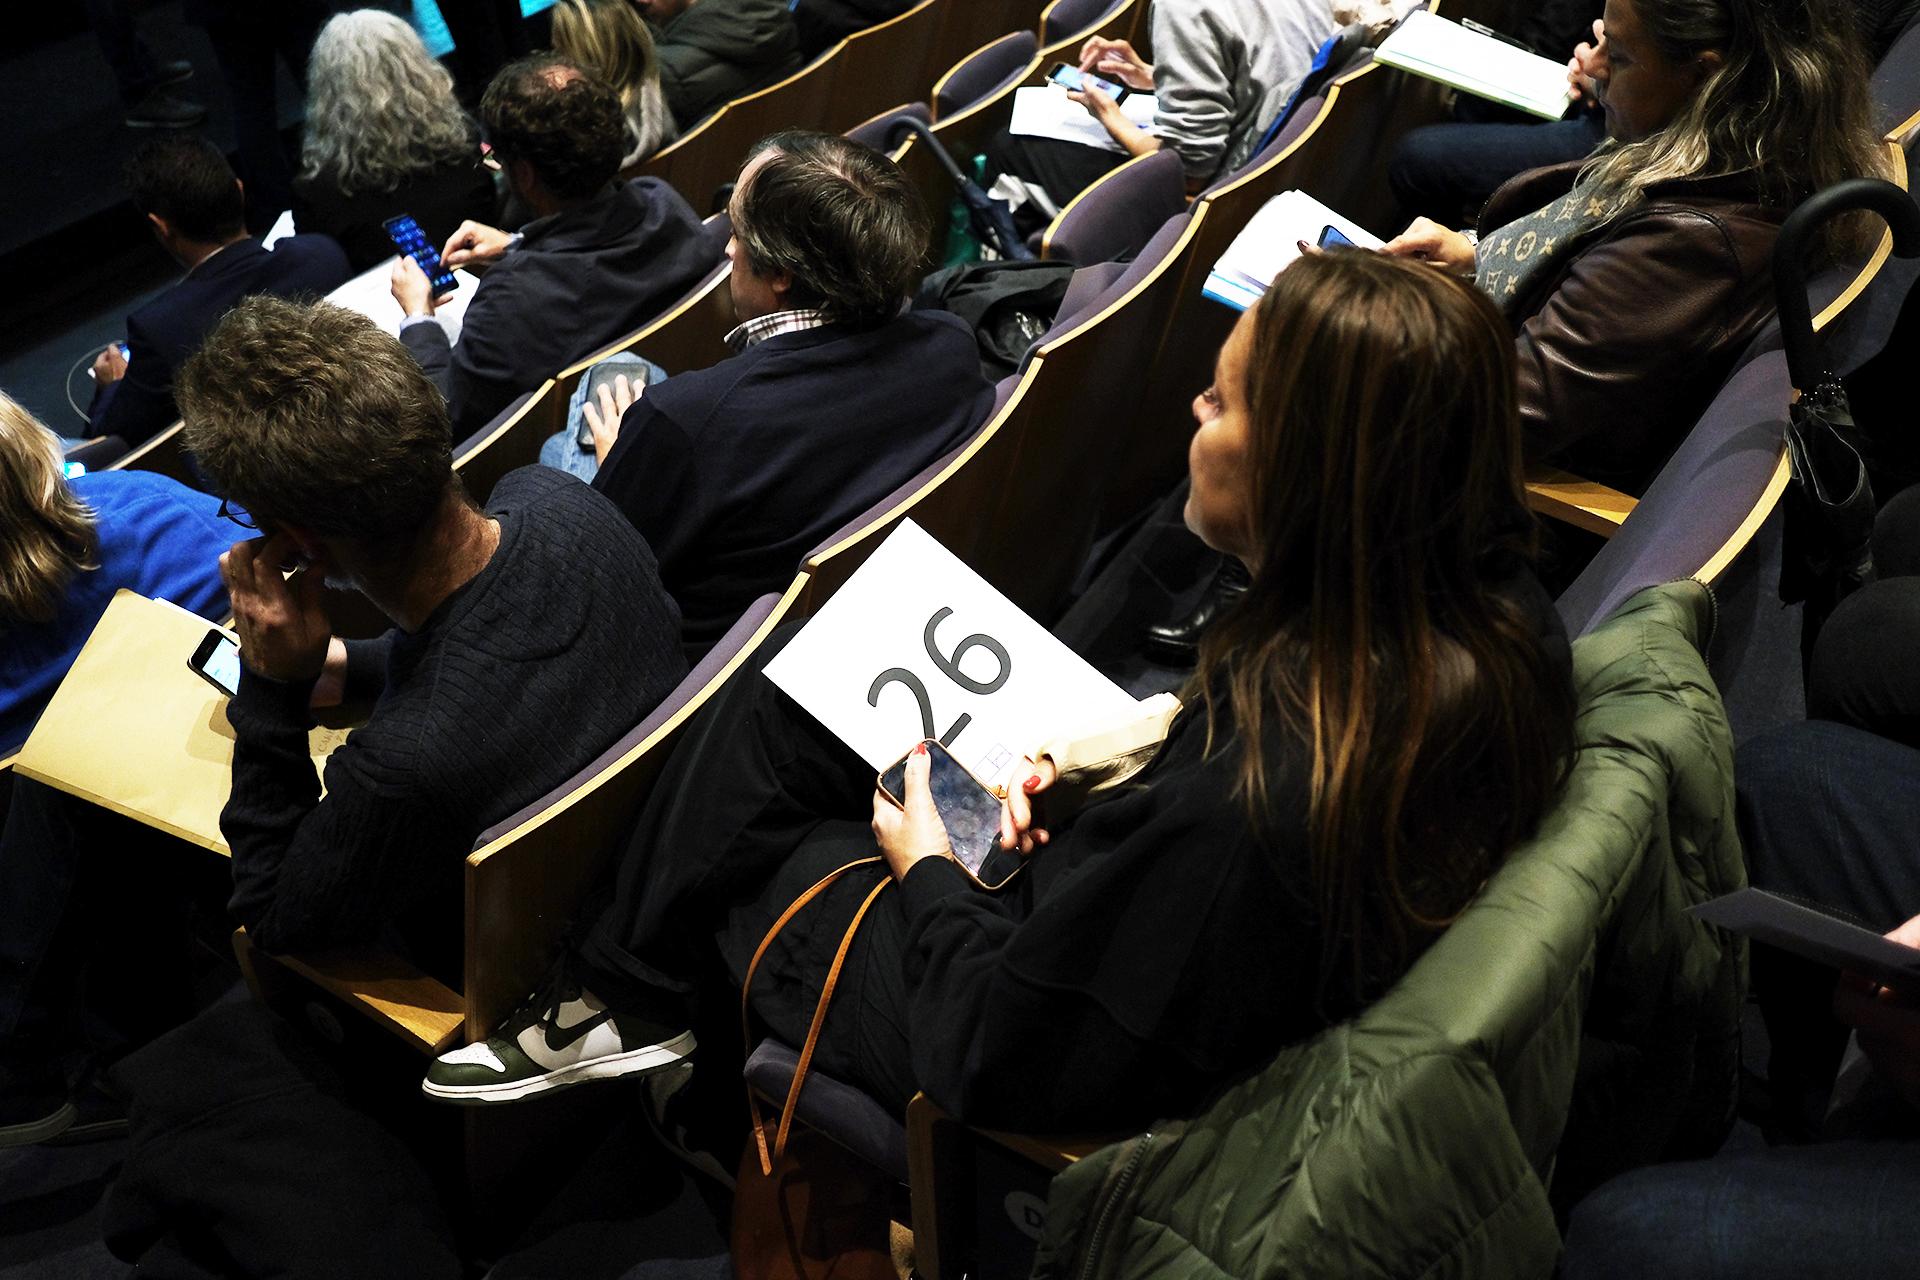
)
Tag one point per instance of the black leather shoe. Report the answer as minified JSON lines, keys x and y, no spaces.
{"x":161,"y":110}
{"x":171,"y":72}
{"x":1177,"y":644}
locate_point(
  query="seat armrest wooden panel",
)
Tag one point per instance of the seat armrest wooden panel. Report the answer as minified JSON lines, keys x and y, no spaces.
{"x":1584,"y":504}
{"x":422,"y":1011}
{"x":523,"y":891}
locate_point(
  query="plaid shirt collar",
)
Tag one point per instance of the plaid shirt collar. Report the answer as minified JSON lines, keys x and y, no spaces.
{"x":758,"y":330}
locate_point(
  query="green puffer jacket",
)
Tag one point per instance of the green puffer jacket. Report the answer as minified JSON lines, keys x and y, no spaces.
{"x":1572,"y":1023}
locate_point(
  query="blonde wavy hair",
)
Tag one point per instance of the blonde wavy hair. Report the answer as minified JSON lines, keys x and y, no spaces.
{"x":379,"y":109}
{"x":608,"y":39}
{"x":47,"y":534}
{"x":1789,"y":103}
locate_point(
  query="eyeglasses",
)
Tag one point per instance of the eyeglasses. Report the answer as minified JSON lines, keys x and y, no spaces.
{"x":236,"y":514}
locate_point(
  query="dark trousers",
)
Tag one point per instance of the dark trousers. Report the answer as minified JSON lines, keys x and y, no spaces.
{"x":1828,"y":809}
{"x":757,"y":804}
{"x":92,"y":928}
{"x":1840,"y":1210}
{"x":1447,"y":171}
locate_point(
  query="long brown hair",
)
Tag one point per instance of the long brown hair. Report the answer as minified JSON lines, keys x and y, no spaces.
{"x":46,"y":533}
{"x":1789,"y":103}
{"x":1386,"y":505}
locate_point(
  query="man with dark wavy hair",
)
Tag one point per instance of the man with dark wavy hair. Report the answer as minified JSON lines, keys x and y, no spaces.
{"x":598,"y":259}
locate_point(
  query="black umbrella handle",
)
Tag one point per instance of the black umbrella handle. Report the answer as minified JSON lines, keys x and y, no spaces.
{"x":1790,"y":256}
{"x":901,"y":127}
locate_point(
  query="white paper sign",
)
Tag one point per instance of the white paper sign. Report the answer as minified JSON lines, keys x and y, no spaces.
{"x":916,"y":645}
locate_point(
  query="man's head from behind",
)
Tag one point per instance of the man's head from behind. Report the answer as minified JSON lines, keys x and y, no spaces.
{"x":322,"y":427}
{"x":822,"y":221}
{"x":188,"y":191}
{"x":559,"y":131}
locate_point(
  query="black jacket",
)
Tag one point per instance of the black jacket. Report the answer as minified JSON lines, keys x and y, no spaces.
{"x":164,"y":332}
{"x":736,"y":472}
{"x":719,"y":50}
{"x":578,"y":281}
{"x":439,"y":199}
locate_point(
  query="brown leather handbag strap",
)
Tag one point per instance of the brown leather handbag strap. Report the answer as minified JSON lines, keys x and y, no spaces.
{"x":779,"y":1148}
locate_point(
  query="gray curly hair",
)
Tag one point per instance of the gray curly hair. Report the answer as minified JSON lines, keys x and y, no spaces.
{"x":379,"y":109}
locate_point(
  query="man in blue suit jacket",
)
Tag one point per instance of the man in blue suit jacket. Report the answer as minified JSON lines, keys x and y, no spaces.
{"x":198,"y":211}
{"x":838,"y":394}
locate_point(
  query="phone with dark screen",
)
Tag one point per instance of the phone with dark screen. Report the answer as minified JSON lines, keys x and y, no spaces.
{"x":602,"y":375}
{"x":968,"y":810}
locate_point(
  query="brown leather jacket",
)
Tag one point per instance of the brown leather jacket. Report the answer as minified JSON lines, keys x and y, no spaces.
{"x":1626,"y":344}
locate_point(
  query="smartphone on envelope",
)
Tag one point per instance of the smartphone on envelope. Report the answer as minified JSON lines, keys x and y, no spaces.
{"x":968,"y":809}
{"x":1072,"y":78}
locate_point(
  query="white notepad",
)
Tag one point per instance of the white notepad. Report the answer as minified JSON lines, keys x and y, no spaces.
{"x":1430,"y":46}
{"x":1270,"y":242}
{"x":1045,"y":111}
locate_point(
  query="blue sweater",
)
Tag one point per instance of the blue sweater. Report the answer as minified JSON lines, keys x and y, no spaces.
{"x":157,"y":537}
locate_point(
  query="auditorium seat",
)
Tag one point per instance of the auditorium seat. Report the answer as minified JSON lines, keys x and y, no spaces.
{"x":1113,"y":219}
{"x":706,"y":157}
{"x":1065,"y":25}
{"x":689,"y":335}
{"x":877,"y":132}
{"x":166,"y":454}
{"x":99,"y":453}
{"x":985,"y":72}
{"x":511,"y":441}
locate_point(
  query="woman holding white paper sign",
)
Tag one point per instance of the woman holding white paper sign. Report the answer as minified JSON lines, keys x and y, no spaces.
{"x":1638,"y":277}
{"x":1359,"y":752}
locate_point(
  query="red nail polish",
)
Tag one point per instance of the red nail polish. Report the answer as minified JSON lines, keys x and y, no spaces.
{"x":920,"y":750}
{"x":1031,"y":784}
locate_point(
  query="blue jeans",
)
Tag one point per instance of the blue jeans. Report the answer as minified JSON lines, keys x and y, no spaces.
{"x":1447,"y":171}
{"x":563,"y":450}
{"x":1842,"y":1209}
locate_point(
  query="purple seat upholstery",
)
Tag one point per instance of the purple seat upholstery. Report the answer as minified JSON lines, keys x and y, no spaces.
{"x":1066,"y":19}
{"x":874,"y":132}
{"x":1113,"y":219}
{"x":729,"y":646}
{"x":1699,"y":499}
{"x":984,"y":73}
{"x":1080,"y":305}
{"x":1896,"y":82}
{"x":832,"y":1107}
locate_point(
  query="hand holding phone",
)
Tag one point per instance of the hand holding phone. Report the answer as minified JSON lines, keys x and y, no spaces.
{"x":612,"y":388}
{"x":410,"y":240}
{"x":966,"y":811}
{"x":1074,"y":80}
{"x":217,"y":661}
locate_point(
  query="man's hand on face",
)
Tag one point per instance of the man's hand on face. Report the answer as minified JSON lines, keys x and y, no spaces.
{"x":284,"y":633}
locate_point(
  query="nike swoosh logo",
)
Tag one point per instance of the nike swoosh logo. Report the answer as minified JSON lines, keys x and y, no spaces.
{"x":561,"y":1038}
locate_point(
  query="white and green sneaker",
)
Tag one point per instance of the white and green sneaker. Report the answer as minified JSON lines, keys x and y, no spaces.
{"x":562,"y":1035}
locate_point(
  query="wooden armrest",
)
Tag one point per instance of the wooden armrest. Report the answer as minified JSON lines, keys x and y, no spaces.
{"x":930,"y":1135}
{"x":420,"y":1010}
{"x":1584,"y":504}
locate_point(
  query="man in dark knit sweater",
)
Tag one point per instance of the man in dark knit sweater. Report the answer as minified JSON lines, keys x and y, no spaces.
{"x":527,"y":638}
